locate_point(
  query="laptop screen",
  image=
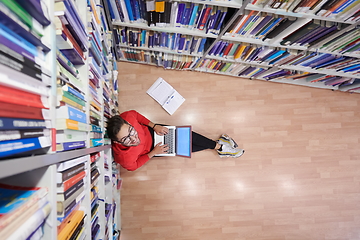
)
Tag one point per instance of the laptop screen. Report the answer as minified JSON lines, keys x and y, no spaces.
{"x":183,"y":141}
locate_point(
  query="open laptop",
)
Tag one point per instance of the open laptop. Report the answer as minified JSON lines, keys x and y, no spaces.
{"x":178,"y":139}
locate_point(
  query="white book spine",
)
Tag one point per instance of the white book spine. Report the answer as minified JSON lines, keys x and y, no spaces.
{"x":71,"y":163}
{"x":115,"y":10}
{"x":31,"y":224}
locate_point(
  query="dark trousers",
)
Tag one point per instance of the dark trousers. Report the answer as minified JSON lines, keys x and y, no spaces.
{"x":199,"y":142}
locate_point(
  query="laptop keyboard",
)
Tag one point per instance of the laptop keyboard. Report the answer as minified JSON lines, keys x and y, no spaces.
{"x":169,"y":140}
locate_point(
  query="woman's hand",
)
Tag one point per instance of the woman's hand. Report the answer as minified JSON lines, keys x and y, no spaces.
{"x":161,"y":130}
{"x":158,"y":149}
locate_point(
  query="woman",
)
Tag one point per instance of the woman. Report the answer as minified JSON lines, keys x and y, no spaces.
{"x":132,"y":142}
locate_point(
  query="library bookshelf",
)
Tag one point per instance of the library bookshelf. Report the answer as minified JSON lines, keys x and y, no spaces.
{"x":309,"y":43}
{"x":57,"y":66}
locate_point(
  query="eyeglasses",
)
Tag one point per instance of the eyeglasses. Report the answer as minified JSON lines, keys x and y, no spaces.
{"x":126,"y":140}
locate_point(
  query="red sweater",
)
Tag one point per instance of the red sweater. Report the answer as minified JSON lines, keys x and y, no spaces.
{"x":131,"y":158}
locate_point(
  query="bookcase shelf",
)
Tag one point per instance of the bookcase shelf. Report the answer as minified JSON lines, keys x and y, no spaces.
{"x":260,"y":42}
{"x":232,"y":4}
{"x":181,"y":30}
{"x":19,"y":165}
{"x":158,"y":49}
{"x":287,"y":81}
{"x":246,"y":16}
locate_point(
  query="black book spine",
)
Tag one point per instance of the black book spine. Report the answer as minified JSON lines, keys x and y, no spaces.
{"x":20,"y":58}
{"x":72,"y":171}
{"x":73,"y":189}
{"x":20,"y":67}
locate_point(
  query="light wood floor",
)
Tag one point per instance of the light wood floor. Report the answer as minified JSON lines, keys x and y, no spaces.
{"x":299,"y":178}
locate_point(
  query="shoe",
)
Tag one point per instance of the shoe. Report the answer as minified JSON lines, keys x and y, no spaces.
{"x":228,"y":151}
{"x":226,"y":139}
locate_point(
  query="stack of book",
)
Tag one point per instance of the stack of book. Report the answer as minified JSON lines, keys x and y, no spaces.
{"x":268,"y":56}
{"x":108,"y":213}
{"x":71,"y":41}
{"x":193,"y":16}
{"x":266,"y":73}
{"x":71,"y":184}
{"x":339,"y":9}
{"x":128,"y":11}
{"x":95,"y":226}
{"x":23,"y":211}
{"x":24,"y":81}
{"x":174,"y":42}
{"x":166,"y":60}
{"x":100,"y":72}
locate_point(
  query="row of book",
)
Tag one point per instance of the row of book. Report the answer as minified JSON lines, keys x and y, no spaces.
{"x":23,"y":211}
{"x":71,"y":41}
{"x":339,"y":9}
{"x":268,"y":73}
{"x":110,"y":203}
{"x":71,"y":184}
{"x":94,"y":197}
{"x":283,"y":57}
{"x":98,"y":69}
{"x":75,"y":125}
{"x":198,"y":16}
{"x":166,"y":60}
{"x":313,"y":34}
{"x":25,"y":79}
{"x":176,"y":42}
{"x":289,"y":31}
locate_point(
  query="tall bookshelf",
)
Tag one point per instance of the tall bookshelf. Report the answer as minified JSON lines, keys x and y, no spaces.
{"x":96,"y":83}
{"x":134,"y":44}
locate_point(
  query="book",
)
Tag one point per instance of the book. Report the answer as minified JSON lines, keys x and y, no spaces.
{"x":25,"y":133}
{"x":27,"y":225}
{"x":24,"y":147}
{"x":24,"y":66}
{"x":165,"y":95}
{"x":19,"y":80}
{"x":71,"y":113}
{"x":38,"y":10}
{"x":63,"y":123}
{"x":61,"y":177}
{"x":70,"y":18}
{"x":16,"y":96}
{"x":79,"y":229}
{"x":66,"y":146}
{"x":288,"y":40}
{"x":18,"y":123}
{"x":63,"y":207}
{"x":70,"y":163}
{"x":15,"y":199}
{"x":14,"y":23}
{"x":25,"y":17}
{"x":11,"y":110}
{"x":66,"y":233}
{"x":96,"y":142}
{"x":68,"y":135}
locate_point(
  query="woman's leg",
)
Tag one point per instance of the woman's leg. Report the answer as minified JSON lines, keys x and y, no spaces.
{"x":200,"y":142}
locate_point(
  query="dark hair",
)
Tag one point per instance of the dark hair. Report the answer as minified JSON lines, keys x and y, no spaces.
{"x":114,"y":125}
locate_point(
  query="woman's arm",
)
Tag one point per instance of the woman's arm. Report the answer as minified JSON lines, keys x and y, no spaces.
{"x":159,"y":129}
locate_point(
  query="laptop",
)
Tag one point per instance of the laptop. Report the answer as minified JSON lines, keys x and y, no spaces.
{"x":178,"y":139}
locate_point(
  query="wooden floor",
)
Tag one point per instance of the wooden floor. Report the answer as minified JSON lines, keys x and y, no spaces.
{"x":299,"y":178}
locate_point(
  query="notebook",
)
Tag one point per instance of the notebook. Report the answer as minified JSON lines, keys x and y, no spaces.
{"x":178,"y":139}
{"x":165,"y":95}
